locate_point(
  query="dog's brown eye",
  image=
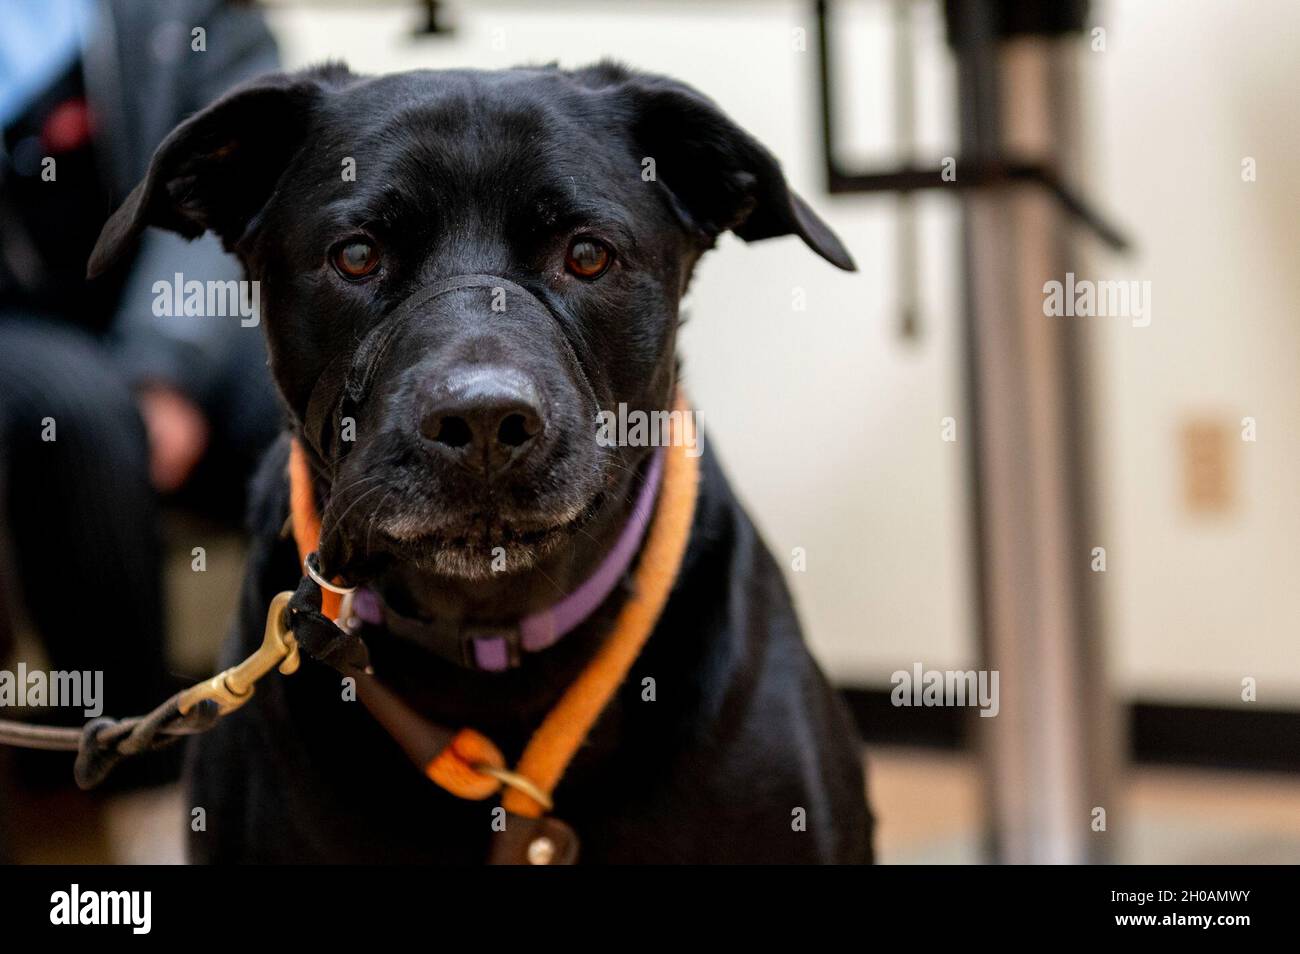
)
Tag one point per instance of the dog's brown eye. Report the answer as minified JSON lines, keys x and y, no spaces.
{"x":356,"y":259}
{"x":587,"y":257}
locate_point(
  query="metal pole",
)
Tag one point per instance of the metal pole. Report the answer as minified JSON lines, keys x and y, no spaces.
{"x":1048,"y":752}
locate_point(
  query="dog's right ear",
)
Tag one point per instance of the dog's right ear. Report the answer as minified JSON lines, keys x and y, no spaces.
{"x":715,"y":175}
{"x":217,"y":169}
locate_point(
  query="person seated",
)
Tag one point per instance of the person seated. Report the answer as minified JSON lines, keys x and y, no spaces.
{"x":108,"y":403}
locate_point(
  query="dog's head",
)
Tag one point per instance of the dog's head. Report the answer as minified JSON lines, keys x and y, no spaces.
{"x":458,"y":271}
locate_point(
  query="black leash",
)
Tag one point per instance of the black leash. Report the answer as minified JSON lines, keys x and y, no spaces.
{"x":318,"y":636}
{"x":101,"y":743}
{"x":296,"y":624}
{"x":294,"y":621}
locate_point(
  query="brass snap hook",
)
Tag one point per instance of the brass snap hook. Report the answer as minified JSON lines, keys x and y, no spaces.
{"x":232,"y":687}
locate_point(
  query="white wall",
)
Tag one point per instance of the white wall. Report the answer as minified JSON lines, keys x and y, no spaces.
{"x":1183,"y":92}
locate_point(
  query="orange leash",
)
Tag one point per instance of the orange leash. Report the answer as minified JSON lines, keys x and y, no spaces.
{"x":460,"y":767}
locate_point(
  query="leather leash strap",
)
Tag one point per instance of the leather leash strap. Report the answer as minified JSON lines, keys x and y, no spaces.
{"x":469,"y":765}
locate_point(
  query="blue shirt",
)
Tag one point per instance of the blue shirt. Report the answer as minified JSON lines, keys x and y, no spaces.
{"x":39,"y":41}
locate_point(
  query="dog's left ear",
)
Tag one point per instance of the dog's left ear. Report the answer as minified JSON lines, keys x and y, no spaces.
{"x":718,"y":176}
{"x":216,"y":170}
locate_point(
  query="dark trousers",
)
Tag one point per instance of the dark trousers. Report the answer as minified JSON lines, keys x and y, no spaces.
{"x":80,"y":541}
{"x":80,"y":535}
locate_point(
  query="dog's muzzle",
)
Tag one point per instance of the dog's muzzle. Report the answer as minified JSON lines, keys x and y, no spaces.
{"x":347,"y":380}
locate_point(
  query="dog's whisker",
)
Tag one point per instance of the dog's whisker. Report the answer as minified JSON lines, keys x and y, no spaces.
{"x":338,"y":523}
{"x":372,"y":519}
{"x":559,"y":589}
{"x":339,"y":499}
{"x":341,"y":494}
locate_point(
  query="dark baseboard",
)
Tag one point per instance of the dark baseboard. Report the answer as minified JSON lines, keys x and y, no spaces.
{"x":1242,"y":737}
{"x":1158,"y":733}
{"x":880,"y":721}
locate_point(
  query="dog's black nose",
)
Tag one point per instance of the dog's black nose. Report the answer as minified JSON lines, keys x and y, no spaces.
{"x":485,"y":418}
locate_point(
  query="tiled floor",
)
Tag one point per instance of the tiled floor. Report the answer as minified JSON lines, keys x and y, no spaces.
{"x":927,"y":804}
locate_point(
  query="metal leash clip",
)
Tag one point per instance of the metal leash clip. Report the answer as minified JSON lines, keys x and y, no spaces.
{"x":311,"y":565}
{"x":514,"y":780}
{"x":232,"y":687}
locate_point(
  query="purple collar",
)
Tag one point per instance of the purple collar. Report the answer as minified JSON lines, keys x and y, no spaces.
{"x":498,"y":648}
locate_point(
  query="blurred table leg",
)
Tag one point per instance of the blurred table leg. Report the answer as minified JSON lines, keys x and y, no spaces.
{"x":1048,"y":752}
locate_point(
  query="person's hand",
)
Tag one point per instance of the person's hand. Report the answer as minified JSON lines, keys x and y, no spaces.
{"x":178,"y":435}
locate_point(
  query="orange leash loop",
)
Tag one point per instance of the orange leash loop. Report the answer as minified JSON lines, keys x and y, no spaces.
{"x":455,"y":767}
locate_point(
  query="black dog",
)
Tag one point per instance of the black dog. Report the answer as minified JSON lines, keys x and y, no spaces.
{"x":465,"y":268}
